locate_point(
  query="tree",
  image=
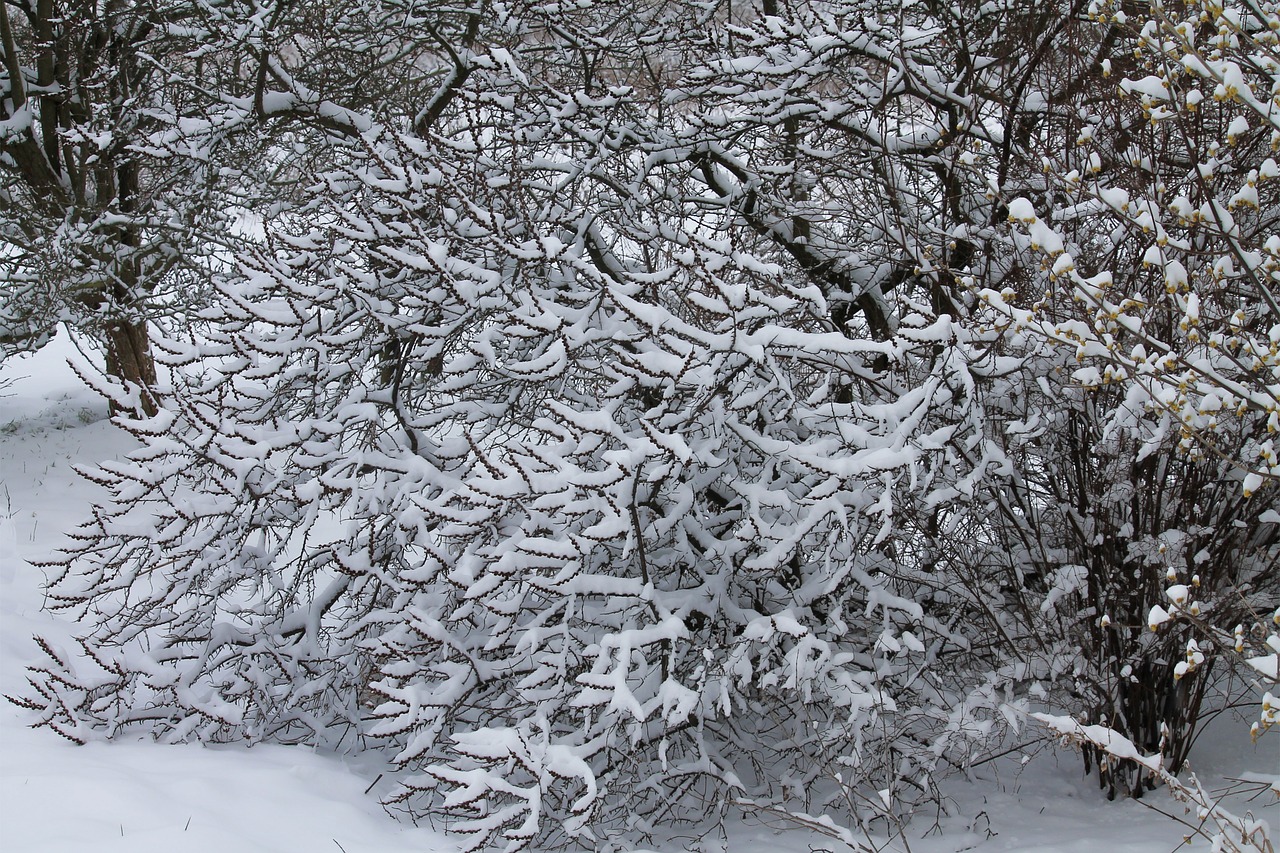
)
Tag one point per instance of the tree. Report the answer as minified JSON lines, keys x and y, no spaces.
{"x":137,"y":136}
{"x":91,"y":227}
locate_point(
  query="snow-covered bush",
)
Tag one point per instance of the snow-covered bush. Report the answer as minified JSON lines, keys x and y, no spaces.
{"x":1145,"y":244}
{"x":556,"y":442}
{"x":607,"y":424}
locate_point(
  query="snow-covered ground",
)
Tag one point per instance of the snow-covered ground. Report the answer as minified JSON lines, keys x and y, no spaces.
{"x":145,"y":798}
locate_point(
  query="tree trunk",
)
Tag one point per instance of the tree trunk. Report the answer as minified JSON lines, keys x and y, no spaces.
{"x":129,"y":359}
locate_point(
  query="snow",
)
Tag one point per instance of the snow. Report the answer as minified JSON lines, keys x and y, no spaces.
{"x":142,"y":797}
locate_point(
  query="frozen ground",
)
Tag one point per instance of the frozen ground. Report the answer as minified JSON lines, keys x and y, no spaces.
{"x":144,"y":798}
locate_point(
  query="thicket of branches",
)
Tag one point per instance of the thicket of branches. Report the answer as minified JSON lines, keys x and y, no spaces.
{"x":622,"y":413}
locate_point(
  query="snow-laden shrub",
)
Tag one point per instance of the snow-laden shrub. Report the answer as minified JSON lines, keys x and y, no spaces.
{"x":608,"y":426}
{"x":524,"y":451}
{"x":1146,"y":230}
